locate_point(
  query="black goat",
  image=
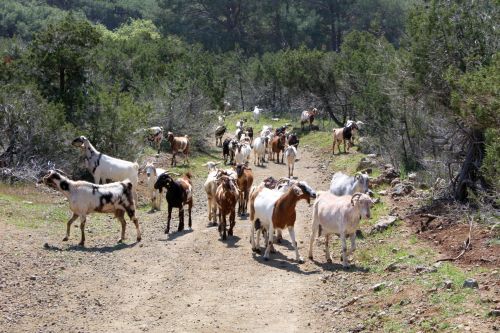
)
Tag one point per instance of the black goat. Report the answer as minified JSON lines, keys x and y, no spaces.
{"x":293,"y":140}
{"x":179,"y":194}
{"x":228,"y":149}
{"x":249,"y":133}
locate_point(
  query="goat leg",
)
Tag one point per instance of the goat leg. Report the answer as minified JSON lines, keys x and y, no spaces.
{"x":327,"y":248}
{"x":190,"y":222}
{"x":224,"y":235}
{"x":136,"y":223}
{"x":82,"y":228}
{"x":68,"y":226}
{"x":168,"y":219}
{"x":181,"y":219}
{"x":124,"y":226}
{"x":232,"y":222}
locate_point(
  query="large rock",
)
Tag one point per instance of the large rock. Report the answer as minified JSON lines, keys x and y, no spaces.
{"x":401,"y":189}
{"x":366,"y":163}
{"x":383,"y":224}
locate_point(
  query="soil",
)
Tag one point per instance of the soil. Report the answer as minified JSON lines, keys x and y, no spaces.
{"x":443,"y":226}
{"x":192,"y":281}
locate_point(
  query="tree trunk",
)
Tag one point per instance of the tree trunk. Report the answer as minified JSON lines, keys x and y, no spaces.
{"x":470,"y":171}
{"x":329,"y":109}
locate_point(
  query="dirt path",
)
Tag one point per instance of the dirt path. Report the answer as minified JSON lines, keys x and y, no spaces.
{"x":186,"y":282}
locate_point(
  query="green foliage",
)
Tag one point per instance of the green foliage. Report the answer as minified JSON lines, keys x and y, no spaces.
{"x":60,"y":59}
{"x":460,"y":34}
{"x":491,"y":163}
{"x":112,"y":119}
{"x":24,"y":18}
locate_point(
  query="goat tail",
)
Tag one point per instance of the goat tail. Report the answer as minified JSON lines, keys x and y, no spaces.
{"x":188,"y":175}
{"x":136,"y":167}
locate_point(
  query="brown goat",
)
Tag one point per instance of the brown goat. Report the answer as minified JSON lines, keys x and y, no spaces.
{"x":179,"y":144}
{"x":226,"y":196}
{"x":277,"y":146}
{"x":245,"y":181}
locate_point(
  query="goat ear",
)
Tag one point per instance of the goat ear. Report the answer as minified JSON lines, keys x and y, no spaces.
{"x":297,"y":190}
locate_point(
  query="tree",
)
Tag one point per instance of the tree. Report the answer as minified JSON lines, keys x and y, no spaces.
{"x":60,"y":59}
{"x":460,"y":38}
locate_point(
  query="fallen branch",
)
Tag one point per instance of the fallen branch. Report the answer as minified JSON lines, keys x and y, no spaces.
{"x":467,"y":245}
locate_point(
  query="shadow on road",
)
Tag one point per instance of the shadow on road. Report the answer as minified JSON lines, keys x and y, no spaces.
{"x":100,"y":249}
{"x":280,"y":261}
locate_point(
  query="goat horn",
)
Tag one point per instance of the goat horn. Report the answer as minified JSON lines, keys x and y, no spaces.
{"x":61,"y":172}
{"x":357,"y":194}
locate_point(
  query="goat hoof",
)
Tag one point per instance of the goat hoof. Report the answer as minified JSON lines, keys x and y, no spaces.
{"x":230,"y":232}
{"x":329,"y":260}
{"x":256,"y":250}
{"x":166,"y":231}
{"x":266,"y":259}
{"x":139,"y":239}
{"x":65,"y":239}
{"x":311,"y":257}
{"x":82,"y":244}
{"x":300,"y":260}
{"x":120,"y":241}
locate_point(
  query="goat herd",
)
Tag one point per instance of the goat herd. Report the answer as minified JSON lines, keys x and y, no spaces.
{"x":270,"y":205}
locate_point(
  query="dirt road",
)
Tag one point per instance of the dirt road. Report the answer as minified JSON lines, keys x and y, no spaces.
{"x":183,"y":282}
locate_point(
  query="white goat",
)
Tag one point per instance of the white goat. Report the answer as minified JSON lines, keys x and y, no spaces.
{"x":341,"y":216}
{"x":105,"y":168}
{"x":85,"y":198}
{"x":343,"y":184}
{"x":152,"y":173}
{"x":210,"y":187}
{"x":242,"y":154}
{"x":256,"y":113}
{"x":212,"y":166}
{"x":291,"y":156}
{"x":259,"y":150}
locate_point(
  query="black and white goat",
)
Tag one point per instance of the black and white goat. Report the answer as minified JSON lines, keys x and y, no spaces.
{"x":85,"y":198}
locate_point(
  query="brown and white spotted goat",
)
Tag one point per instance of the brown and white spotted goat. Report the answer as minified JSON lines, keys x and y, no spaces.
{"x":85,"y":198}
{"x":179,"y":144}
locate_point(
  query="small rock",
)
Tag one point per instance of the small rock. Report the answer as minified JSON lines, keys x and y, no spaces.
{"x":394,"y":250}
{"x":395,"y":267}
{"x":379,"y":286}
{"x":470,"y":283}
{"x":383,"y":192}
{"x":420,"y":269}
{"x":33,"y":277}
{"x":447,"y":284}
{"x":412,"y":176}
{"x":494,"y":313}
{"x":395,"y":182}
